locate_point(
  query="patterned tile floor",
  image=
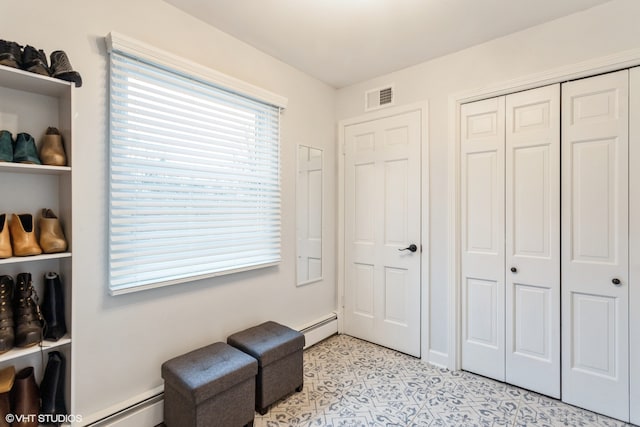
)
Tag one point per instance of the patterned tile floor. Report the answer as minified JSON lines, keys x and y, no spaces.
{"x":350,"y":382}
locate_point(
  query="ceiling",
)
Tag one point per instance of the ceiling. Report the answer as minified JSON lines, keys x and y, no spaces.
{"x":342,"y":42}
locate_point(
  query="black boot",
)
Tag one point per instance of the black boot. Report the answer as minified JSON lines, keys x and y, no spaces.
{"x":6,"y":314}
{"x":26,"y":313}
{"x":35,"y":61}
{"x":53,"y":308}
{"x":10,"y":54}
{"x":61,"y":68}
{"x":52,"y":386}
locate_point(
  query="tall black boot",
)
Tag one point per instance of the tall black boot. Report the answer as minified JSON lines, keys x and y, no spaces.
{"x":52,"y":386}
{"x":26,"y":313}
{"x":53,"y":308}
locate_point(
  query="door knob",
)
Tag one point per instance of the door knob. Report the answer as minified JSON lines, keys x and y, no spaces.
{"x":514,"y":270}
{"x":411,"y":248}
{"x":615,"y":281}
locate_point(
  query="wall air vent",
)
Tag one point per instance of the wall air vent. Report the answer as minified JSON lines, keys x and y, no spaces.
{"x":378,"y":98}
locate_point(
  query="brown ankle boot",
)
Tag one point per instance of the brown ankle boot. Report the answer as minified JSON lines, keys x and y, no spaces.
{"x":26,"y":313}
{"x":7,"y":376}
{"x":23,"y":235}
{"x":6,"y":314}
{"x":51,"y":236}
{"x":25,"y":399}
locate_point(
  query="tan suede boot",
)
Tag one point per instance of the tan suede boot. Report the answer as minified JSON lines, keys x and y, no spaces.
{"x":23,"y":235}
{"x":51,"y":236}
{"x":5,"y":238}
{"x":52,"y":149}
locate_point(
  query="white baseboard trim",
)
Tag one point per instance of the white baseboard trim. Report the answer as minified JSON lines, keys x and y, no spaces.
{"x":146,"y":410}
{"x":439,"y":359}
{"x":319,"y":330}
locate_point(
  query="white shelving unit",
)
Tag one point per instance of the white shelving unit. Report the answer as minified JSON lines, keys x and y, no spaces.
{"x":30,"y":103}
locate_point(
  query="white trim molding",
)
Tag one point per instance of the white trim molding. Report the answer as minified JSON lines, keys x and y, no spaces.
{"x":609,"y":63}
{"x":127,"y":45}
{"x":425,"y":271}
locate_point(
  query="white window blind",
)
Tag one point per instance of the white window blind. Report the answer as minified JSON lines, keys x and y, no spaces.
{"x":194,"y":178}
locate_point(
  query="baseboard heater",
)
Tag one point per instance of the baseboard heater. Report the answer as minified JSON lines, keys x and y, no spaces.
{"x":147,"y":412}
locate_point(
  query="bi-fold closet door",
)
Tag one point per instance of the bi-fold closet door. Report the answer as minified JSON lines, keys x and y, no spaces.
{"x":595,"y":244}
{"x":510,"y":223}
{"x":515,"y":282}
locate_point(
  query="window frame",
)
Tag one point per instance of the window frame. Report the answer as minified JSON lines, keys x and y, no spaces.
{"x":122,"y":45}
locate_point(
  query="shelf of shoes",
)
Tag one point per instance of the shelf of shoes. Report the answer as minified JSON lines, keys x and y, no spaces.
{"x":46,"y":345}
{"x":33,"y":169}
{"x":17,"y":79}
{"x":22,"y":259}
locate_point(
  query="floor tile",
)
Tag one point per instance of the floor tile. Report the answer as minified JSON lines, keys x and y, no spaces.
{"x":353,"y":383}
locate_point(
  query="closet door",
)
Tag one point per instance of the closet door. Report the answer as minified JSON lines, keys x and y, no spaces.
{"x":634,"y":242}
{"x":532,"y":281}
{"x":595,"y":282}
{"x":482,"y":226}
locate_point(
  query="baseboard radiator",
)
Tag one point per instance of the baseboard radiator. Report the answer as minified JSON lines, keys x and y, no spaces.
{"x":147,"y":412}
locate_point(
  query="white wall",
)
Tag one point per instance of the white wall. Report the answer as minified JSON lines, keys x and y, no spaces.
{"x":600,"y":31}
{"x":120,"y":342}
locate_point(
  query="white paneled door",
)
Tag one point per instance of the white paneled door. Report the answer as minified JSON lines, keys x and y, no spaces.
{"x":595,"y":285}
{"x":482,"y":219}
{"x":510,"y":222}
{"x":533,"y":239}
{"x":382,"y":231}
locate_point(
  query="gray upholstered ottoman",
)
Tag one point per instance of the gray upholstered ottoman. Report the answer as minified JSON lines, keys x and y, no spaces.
{"x":278,"y":350}
{"x":213,"y":386}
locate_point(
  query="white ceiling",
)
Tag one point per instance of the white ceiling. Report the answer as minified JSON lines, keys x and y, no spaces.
{"x":346,"y":41}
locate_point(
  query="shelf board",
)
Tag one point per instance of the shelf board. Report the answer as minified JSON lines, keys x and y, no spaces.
{"x":14,"y":78}
{"x":33,"y":169}
{"x":47,"y":345}
{"x":19,"y":259}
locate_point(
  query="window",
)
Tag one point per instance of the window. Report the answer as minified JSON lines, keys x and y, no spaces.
{"x":194,"y":176}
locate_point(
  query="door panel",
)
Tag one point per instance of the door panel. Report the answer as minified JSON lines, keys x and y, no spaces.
{"x":532,"y":221}
{"x":595,"y":312}
{"x":482,"y":219}
{"x":382,"y":215}
{"x":634,"y":242}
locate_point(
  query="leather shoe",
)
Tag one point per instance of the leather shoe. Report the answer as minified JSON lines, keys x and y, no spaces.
{"x":26,"y":313}
{"x":6,"y":314}
{"x":24,"y":149}
{"x":23,"y":235}
{"x":7,"y":377}
{"x":52,"y":149}
{"x":6,"y":146}
{"x":53,"y":308}
{"x":5,"y":238}
{"x":52,"y":386}
{"x":25,"y":398}
{"x":51,"y":236}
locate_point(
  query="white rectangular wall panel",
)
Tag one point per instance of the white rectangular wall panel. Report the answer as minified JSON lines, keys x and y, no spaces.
{"x":595,"y":244}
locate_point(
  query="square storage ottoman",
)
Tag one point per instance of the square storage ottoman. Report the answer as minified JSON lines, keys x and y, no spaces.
{"x":213,"y":386}
{"x":278,"y":350}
